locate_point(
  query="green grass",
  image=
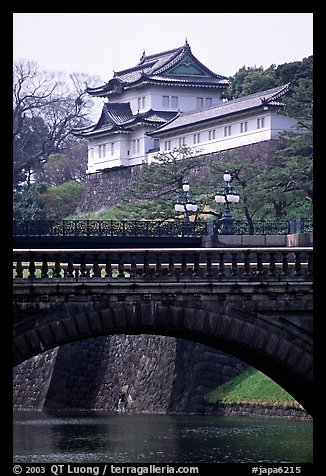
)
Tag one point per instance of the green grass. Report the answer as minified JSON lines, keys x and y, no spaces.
{"x":252,"y":387}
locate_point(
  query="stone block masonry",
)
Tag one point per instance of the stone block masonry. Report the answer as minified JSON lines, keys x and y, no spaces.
{"x":31,"y":381}
{"x":106,"y":189}
{"x":155,"y":374}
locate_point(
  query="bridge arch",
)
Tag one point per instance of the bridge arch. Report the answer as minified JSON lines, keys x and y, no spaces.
{"x":280,"y":350}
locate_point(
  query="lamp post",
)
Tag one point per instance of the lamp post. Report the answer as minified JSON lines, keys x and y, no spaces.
{"x":185,"y":205}
{"x":227,"y":196}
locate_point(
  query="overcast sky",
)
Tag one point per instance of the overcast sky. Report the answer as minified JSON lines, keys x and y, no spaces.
{"x":98,"y":43}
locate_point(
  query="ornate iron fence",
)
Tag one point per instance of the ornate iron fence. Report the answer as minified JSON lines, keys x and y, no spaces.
{"x":152,"y":228}
{"x":108,"y":228}
{"x":273,"y":227}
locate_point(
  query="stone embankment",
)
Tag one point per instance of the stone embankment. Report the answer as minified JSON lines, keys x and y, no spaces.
{"x":154,"y":374}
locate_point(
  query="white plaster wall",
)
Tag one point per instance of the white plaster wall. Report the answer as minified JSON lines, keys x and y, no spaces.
{"x":273,"y":125}
{"x":187,"y":97}
{"x":222,"y":142}
{"x":126,"y":155}
{"x":116,"y":159}
{"x":281,"y":123}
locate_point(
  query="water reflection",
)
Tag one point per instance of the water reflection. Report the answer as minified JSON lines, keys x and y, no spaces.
{"x":126,"y":438}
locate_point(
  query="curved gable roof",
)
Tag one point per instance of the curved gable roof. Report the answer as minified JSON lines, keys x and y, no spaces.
{"x":176,"y":66}
{"x":118,"y":117}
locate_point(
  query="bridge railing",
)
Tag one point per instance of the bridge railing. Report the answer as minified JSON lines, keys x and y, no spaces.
{"x":185,"y":264}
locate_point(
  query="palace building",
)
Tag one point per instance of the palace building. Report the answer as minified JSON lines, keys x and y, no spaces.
{"x":169,"y":100}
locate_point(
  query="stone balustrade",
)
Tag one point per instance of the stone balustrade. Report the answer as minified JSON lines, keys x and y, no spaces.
{"x":170,"y":264}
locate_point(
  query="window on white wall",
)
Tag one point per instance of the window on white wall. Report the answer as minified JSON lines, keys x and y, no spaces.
{"x":135,"y":146}
{"x":243,"y":126}
{"x":166,"y":101}
{"x":211,"y":134}
{"x":200,"y":103}
{"x":174,"y":101}
{"x":112,"y":148}
{"x":260,"y":122}
{"x":101,"y":151}
{"x":196,"y":138}
{"x":141,"y":103}
{"x":91,"y":153}
{"x":182,"y":141}
{"x":167,"y":145}
{"x":227,"y":131}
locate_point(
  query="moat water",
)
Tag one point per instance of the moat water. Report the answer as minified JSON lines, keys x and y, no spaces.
{"x":100,"y":437}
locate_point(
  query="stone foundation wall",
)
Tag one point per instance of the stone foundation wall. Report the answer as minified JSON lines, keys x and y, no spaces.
{"x":258,"y":411}
{"x":106,"y":189}
{"x":31,"y":381}
{"x":155,"y":374}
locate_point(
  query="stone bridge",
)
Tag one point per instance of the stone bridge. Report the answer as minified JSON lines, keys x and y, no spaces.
{"x":254,"y":303}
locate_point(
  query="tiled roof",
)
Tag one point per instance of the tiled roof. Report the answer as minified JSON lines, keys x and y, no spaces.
{"x":162,"y":68}
{"x":157,"y":117}
{"x":263,"y":98}
{"x":119,"y":113}
{"x":119,"y":117}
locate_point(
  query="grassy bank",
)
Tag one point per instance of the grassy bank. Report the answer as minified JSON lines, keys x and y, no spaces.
{"x":252,"y":388}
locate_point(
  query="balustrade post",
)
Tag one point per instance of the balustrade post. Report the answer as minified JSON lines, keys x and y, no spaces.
{"x":196,"y":264}
{"x":221,"y":267}
{"x":297,"y":264}
{"x":108,"y":266}
{"x":70,"y":266}
{"x":184,"y":269}
{"x":171,"y":266}
{"x":272,"y":266}
{"x":285,"y":263}
{"x":209,"y":270}
{"x":57,"y":267}
{"x":44,"y":267}
{"x":146,"y":271}
{"x":19,"y":266}
{"x":310,"y":264}
{"x":96,"y":268}
{"x":133,"y":266}
{"x":83,"y":268}
{"x":234,"y":263}
{"x":31,"y":266}
{"x":158,"y":267}
{"x":260,"y":268}
{"x":121,"y":266}
{"x":246,"y":269}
